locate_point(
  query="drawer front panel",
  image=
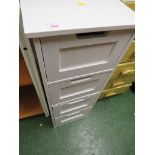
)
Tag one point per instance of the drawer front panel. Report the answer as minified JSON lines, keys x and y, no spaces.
{"x":120,"y":82}
{"x":69,"y":56}
{"x":77,"y":87}
{"x":114,"y":91}
{"x":125,"y":69}
{"x":74,"y":105}
{"x":72,"y":117}
{"x":81,"y":56}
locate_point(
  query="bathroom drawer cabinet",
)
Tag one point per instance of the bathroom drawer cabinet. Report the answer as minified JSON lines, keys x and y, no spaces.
{"x":77,"y":48}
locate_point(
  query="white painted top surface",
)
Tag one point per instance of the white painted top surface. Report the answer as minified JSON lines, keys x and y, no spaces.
{"x":58,"y":17}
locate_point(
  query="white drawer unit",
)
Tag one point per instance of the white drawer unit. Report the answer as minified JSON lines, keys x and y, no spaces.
{"x":77,"y":87}
{"x":74,"y":105}
{"x":77,"y":47}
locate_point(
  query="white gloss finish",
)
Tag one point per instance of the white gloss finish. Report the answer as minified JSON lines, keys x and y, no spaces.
{"x":58,"y":17}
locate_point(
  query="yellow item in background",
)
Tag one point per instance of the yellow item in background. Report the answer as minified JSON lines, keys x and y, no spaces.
{"x":114,"y":91}
{"x":130,"y":54}
{"x":81,"y":3}
{"x":124,"y":69}
{"x":119,"y":82}
{"x":124,"y":73}
{"x":130,"y":3}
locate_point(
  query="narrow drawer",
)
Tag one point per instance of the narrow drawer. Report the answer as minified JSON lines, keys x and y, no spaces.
{"x":120,"y":82}
{"x":77,"y":87}
{"x":72,"y":106}
{"x":125,"y":69}
{"x":79,"y":54}
{"x":114,"y":91}
{"x":72,"y":117}
{"x":130,"y":54}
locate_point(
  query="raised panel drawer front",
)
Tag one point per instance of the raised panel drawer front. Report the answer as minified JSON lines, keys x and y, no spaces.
{"x":77,"y":87}
{"x":79,"y":54}
{"x":72,"y":117}
{"x":72,"y":106}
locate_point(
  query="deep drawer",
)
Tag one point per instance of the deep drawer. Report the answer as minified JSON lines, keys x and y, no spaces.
{"x":74,"y":105}
{"x":77,"y":87}
{"x":79,"y":54}
{"x":72,"y":117}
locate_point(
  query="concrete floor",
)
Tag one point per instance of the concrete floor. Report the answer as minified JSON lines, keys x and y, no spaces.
{"x":108,"y":130}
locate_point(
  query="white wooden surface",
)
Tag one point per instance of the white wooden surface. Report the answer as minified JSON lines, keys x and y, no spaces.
{"x":43,"y":74}
{"x":58,"y":17}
